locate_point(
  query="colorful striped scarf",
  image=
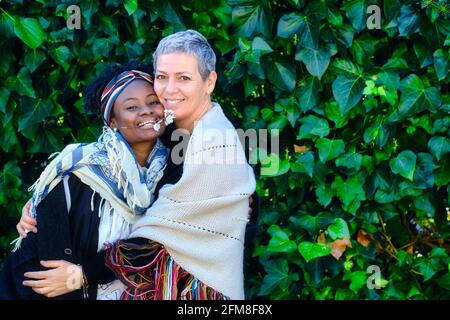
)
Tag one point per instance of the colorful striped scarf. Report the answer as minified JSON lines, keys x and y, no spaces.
{"x":150,"y":273}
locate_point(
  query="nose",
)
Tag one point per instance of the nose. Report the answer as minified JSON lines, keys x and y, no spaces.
{"x":171,"y":86}
{"x":145,"y":110}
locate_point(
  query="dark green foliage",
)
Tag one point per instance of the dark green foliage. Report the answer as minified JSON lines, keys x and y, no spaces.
{"x":363,"y":117}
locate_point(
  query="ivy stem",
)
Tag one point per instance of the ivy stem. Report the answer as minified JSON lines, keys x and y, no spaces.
{"x":8,"y":15}
{"x":391,"y":250}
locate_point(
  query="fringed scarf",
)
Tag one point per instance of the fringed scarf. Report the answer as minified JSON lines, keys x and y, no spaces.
{"x":150,"y":273}
{"x":110,"y":168}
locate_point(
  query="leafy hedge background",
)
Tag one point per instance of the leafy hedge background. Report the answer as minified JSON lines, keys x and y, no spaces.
{"x":363,"y":117}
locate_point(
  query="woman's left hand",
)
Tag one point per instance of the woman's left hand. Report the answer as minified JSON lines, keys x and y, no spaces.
{"x":62,"y":277}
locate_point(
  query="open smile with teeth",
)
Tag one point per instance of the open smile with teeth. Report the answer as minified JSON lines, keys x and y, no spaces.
{"x":146,"y":124}
{"x":174,"y":101}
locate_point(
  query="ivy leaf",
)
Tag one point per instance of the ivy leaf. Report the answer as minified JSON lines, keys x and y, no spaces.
{"x":283,"y":76}
{"x":442,"y":173}
{"x":304,"y":163}
{"x":347,"y":92}
{"x":440,"y":125}
{"x":329,"y":149}
{"x":422,"y":53}
{"x":313,"y":126}
{"x":343,"y":35}
{"x":306,"y":29}
{"x":280,"y":241}
{"x":310,"y":250}
{"x":444,"y":281}
{"x":34,"y":112}
{"x":395,"y":63}
{"x":439,"y":145}
{"x":425,"y":204}
{"x":441,"y":63}
{"x":427,"y":267}
{"x":166,"y":11}
{"x":324,"y":194}
{"x":350,"y":192}
{"x":277,"y":275}
{"x":423,"y":175}
{"x":338,"y":229}
{"x":346,"y":67}
{"x":33,"y":59}
{"x":290,"y":24}
{"x":390,"y":80}
{"x":312,"y":224}
{"x":289,"y":105}
{"x":22,"y":83}
{"x":8,"y":137}
{"x":316,"y":60}
{"x":274,"y":166}
{"x":339,"y":246}
{"x":357,"y":279}
{"x":377,"y":131}
{"x":103,"y":46}
{"x":404,"y":164}
{"x":131,"y":6}
{"x":356,"y":12}
{"x":251,"y":19}
{"x":415,"y":98}
{"x":350,"y":160}
{"x":309,"y":94}
{"x":261,"y":46}
{"x":4,"y":96}
{"x":363,"y":49}
{"x":62,"y":56}
{"x":408,"y":21}
{"x":88,"y":9}
{"x":30,"y":31}
{"x":51,"y":140}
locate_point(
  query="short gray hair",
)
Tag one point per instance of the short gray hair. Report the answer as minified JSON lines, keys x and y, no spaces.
{"x":191,"y":42}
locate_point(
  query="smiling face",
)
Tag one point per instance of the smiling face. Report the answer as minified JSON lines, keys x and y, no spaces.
{"x":135,"y":111}
{"x":180,"y":87}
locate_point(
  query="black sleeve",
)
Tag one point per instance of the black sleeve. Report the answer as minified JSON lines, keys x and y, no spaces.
{"x":48,"y":244}
{"x":16,"y":264}
{"x":96,"y":271}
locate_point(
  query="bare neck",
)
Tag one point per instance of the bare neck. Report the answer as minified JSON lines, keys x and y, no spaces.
{"x":142,"y":151}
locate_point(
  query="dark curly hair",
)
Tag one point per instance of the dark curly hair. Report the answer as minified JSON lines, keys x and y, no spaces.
{"x":92,"y":93}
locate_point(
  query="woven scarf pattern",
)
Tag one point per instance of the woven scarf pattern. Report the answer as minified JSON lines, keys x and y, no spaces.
{"x":150,"y":273}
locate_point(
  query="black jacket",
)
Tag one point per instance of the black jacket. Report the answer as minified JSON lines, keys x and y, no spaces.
{"x":70,"y":236}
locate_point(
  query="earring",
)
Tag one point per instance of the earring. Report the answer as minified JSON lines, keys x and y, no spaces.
{"x":115,"y":129}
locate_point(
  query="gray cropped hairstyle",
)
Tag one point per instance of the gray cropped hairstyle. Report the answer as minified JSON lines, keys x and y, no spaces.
{"x":190,"y":42}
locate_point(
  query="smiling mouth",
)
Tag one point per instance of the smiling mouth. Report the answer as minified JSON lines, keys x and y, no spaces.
{"x":146,"y":123}
{"x":174,"y":101}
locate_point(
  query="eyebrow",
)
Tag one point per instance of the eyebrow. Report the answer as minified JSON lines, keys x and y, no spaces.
{"x":133,"y":98}
{"x":178,"y":73}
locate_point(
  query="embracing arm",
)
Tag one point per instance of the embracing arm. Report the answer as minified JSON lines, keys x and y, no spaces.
{"x":26,"y":223}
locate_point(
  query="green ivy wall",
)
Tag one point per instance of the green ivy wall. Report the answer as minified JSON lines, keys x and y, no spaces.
{"x":363,"y":115}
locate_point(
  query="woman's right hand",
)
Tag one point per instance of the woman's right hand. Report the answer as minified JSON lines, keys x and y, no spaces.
{"x":26,"y":223}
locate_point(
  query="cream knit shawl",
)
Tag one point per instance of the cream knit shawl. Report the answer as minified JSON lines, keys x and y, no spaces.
{"x":201,"y":219}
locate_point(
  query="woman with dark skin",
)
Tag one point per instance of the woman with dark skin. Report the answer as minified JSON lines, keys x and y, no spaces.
{"x":73,"y":225}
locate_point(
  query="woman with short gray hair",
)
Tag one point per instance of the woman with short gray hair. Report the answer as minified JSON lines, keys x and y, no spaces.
{"x":201,"y":213}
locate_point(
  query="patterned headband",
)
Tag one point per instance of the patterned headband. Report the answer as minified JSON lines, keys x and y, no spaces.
{"x":115,"y":87}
